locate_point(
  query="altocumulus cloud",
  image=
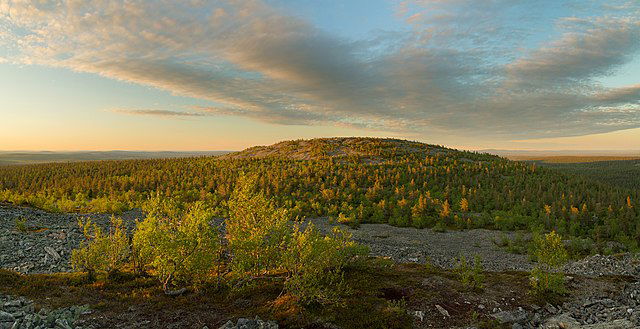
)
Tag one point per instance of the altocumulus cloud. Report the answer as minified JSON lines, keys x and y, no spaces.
{"x":458,"y":66}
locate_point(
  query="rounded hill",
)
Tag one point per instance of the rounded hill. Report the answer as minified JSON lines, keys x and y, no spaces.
{"x":373,"y":149}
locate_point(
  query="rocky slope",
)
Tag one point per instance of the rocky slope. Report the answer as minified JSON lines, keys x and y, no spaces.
{"x":18,"y":312}
{"x":46,"y":245}
{"x":374,"y":149}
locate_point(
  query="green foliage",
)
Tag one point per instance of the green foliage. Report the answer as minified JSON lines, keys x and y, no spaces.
{"x":511,"y":221}
{"x":262,"y":242}
{"x":397,"y":306}
{"x":367,"y":180}
{"x":101,"y":252}
{"x":519,"y":245}
{"x":258,"y":233}
{"x":546,"y":285}
{"x":21,"y":224}
{"x":440,"y":227}
{"x":581,"y":247}
{"x":622,"y":173}
{"x":470,"y":275}
{"x":315,"y":264}
{"x":177,"y":246}
{"x":549,"y":250}
{"x":551,"y":255}
{"x":180,"y":246}
{"x":428,"y":264}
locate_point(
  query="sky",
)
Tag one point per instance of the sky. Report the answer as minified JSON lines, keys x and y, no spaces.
{"x":229,"y":74}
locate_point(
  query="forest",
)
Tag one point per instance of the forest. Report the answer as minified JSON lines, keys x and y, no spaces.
{"x":623,"y":173}
{"x":350,"y":180}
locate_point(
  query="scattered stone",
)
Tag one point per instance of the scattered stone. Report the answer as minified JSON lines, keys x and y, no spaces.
{"x":52,"y":252}
{"x":13,"y":303}
{"x":244,"y":323}
{"x":408,"y":245}
{"x":177,"y":292}
{"x":599,"y":265}
{"x":617,"y":324}
{"x":419,"y":315}
{"x":17,"y":312}
{"x":49,"y":250}
{"x":442,"y":310}
{"x":45,"y":250}
{"x":516,"y":316}
{"x":6,"y":317}
{"x":562,"y":321}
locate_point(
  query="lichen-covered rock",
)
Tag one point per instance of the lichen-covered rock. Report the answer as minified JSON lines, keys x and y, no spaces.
{"x":617,"y":324}
{"x":46,"y":245}
{"x":517,"y":316}
{"x":562,"y":321}
{"x":244,"y":323}
{"x":18,"y":313}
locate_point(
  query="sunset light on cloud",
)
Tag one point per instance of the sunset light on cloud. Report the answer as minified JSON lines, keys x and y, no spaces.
{"x":230,"y":74}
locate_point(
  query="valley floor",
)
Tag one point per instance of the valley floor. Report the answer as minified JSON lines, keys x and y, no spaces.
{"x":386,"y":294}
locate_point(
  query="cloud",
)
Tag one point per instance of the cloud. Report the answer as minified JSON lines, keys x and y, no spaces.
{"x":158,"y":113}
{"x":579,"y":56}
{"x":465,"y":67}
{"x":623,"y":95}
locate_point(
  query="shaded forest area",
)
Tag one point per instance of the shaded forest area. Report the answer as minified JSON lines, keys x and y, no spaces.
{"x":623,"y":173}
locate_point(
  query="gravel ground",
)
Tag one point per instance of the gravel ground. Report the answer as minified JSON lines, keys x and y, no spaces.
{"x":403,"y":244}
{"x":47,"y":245}
{"x":19,"y":312}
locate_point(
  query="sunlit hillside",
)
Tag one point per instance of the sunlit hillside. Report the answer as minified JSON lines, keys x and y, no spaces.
{"x":354,"y":180}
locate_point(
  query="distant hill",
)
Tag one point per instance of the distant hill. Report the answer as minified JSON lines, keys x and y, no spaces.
{"x":568,"y":154}
{"x":572,"y":158}
{"x":368,"y":148}
{"x":30,"y":157}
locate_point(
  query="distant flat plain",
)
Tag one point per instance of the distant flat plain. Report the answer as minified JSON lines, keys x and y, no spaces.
{"x":620,"y":171}
{"x":32,"y":157}
{"x":572,"y":158}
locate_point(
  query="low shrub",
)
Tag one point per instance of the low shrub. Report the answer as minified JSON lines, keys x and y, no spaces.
{"x":101,"y":252}
{"x":581,"y":247}
{"x":314,"y":264}
{"x":551,"y":254}
{"x":257,"y":232}
{"x":470,"y":275}
{"x":177,"y":246}
{"x":518,"y":245}
{"x":21,"y":224}
{"x":348,"y":220}
{"x":440,"y":227}
{"x":263,"y":243}
{"x":546,"y":285}
{"x":181,"y":247}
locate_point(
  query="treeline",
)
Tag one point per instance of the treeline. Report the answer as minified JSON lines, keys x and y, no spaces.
{"x":623,"y":173}
{"x":371,"y":181}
